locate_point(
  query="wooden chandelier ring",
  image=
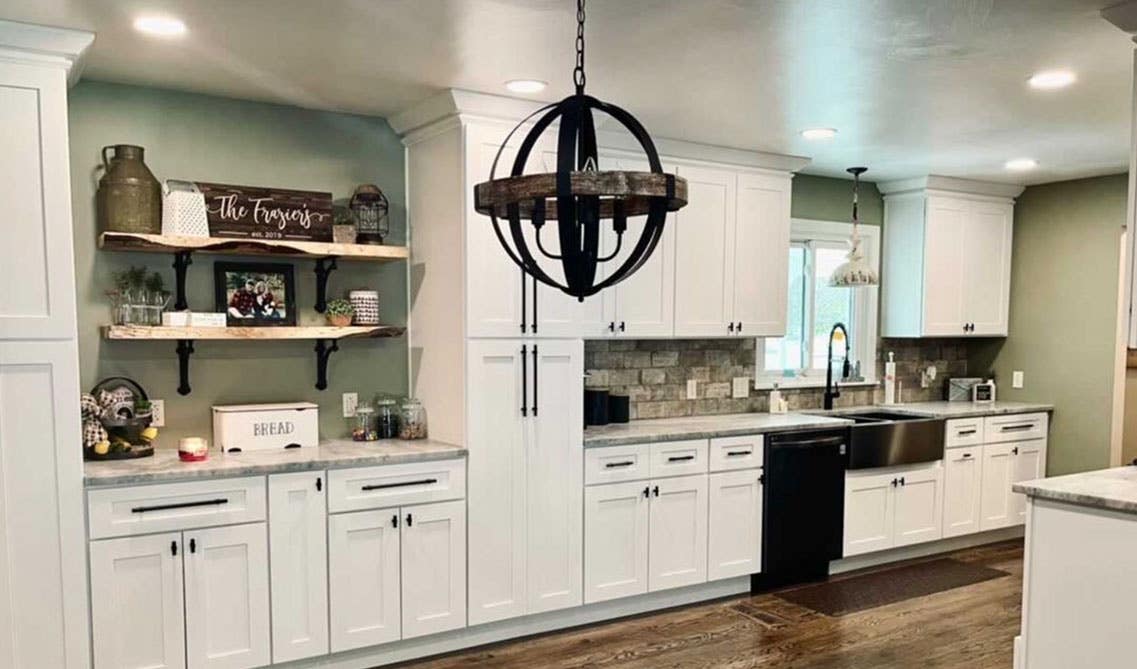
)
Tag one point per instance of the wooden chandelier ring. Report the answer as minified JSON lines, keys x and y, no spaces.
{"x":635,"y":189}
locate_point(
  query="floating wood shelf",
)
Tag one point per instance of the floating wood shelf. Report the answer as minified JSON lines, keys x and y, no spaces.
{"x":324,"y":336}
{"x":130,"y":241}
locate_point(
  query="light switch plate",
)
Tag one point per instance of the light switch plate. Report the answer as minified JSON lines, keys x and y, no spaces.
{"x":350,"y":402}
{"x":740,"y":387}
{"x":157,"y":413}
{"x":692,"y":389}
{"x":1017,"y":379}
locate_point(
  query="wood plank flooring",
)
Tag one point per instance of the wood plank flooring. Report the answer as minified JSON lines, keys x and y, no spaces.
{"x":970,"y":627}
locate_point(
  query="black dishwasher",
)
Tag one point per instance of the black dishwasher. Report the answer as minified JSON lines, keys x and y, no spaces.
{"x":803,"y":504}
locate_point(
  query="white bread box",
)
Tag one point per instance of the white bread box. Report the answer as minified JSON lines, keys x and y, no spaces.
{"x":262,"y":427}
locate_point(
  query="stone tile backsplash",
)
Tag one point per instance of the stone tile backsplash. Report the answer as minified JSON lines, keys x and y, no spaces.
{"x":654,"y":374}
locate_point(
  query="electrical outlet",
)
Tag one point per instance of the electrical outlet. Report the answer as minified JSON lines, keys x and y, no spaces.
{"x":740,"y":387}
{"x":1017,"y":379}
{"x":157,"y":413}
{"x":350,"y":402}
{"x":692,"y":389}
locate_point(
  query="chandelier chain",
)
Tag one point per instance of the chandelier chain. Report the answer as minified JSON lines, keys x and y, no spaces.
{"x":578,"y":77}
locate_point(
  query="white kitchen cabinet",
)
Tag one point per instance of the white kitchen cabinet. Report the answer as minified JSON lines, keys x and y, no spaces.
{"x":616,"y":540}
{"x":996,"y":504}
{"x":227,"y":597}
{"x":704,"y":248}
{"x":526,"y":476}
{"x":137,"y":610}
{"x":947,"y":258}
{"x":760,"y":258}
{"x":1030,"y":464}
{"x":734,"y":532}
{"x":298,"y":559}
{"x":433,"y":556}
{"x":963,"y":468}
{"x":892,"y":507}
{"x":363,"y":578}
{"x":677,"y":532}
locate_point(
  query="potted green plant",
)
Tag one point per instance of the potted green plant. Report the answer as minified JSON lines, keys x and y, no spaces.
{"x":339,"y":312}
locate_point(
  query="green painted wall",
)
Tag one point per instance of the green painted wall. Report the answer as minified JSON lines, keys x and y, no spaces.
{"x":205,"y":138}
{"x":828,"y":199}
{"x":1064,"y":314}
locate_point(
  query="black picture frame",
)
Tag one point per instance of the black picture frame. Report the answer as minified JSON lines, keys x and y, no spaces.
{"x":231,"y":278}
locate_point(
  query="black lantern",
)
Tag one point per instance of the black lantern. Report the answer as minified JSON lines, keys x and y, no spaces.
{"x":578,"y":196}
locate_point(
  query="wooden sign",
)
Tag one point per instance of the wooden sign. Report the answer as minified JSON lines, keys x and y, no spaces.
{"x":250,"y":212}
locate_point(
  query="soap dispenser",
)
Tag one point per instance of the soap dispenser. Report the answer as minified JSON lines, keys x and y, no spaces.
{"x":890,"y":380}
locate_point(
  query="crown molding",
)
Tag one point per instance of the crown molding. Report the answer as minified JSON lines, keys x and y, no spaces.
{"x":950,"y":185}
{"x":45,"y":45}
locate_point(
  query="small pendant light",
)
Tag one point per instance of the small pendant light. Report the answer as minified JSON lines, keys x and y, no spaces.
{"x":855,"y":271}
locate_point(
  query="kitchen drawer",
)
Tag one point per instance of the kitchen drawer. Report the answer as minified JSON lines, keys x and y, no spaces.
{"x":679,"y":458}
{"x":165,"y":507}
{"x":1017,"y":427}
{"x":362,"y":488}
{"x":611,"y":464}
{"x":963,"y":432}
{"x":731,"y":453}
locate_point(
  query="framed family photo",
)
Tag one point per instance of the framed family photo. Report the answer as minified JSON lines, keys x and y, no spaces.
{"x":255,"y":294}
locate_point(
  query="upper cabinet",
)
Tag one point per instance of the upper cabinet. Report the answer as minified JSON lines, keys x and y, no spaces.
{"x":947,"y":258}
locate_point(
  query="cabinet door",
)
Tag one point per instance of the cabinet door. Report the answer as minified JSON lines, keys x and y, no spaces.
{"x":555,"y":478}
{"x":962,"y":482}
{"x":227,"y":599}
{"x":943,"y":266}
{"x":869,"y":503}
{"x":615,"y":540}
{"x":363,"y":578}
{"x":918,"y":509}
{"x":298,"y":557}
{"x":734,"y":535}
{"x":704,"y":240}
{"x":497,"y":484}
{"x":136,"y":602}
{"x":434,"y":568}
{"x":1030,"y":464}
{"x":986,"y":274}
{"x":677,"y":547}
{"x":761,"y":255}
{"x":995,"y":503}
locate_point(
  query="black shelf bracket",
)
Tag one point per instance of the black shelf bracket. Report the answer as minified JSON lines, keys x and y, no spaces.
{"x":182,"y":261}
{"x":322,"y":273}
{"x":324,"y":350}
{"x":185,"y":349}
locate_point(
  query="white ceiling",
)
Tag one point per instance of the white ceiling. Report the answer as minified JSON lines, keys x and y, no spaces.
{"x":915,"y":87}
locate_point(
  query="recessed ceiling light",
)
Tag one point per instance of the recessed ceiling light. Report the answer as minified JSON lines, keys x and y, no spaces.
{"x":1051,"y":79}
{"x":819,"y":133}
{"x":1021,"y":164}
{"x":160,"y":26}
{"x":526,"y":85}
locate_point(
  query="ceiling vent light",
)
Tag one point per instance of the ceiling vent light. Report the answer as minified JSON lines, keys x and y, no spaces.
{"x":525,"y":85}
{"x":160,"y":26}
{"x":819,"y":133}
{"x":1052,"y":79}
{"x":1021,"y":164}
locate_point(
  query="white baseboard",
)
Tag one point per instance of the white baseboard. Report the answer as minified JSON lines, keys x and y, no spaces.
{"x":924,"y":550}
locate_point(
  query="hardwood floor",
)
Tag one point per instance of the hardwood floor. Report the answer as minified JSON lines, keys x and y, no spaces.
{"x":970,"y":627}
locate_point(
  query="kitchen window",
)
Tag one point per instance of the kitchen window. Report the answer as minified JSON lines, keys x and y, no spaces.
{"x":812,"y":307}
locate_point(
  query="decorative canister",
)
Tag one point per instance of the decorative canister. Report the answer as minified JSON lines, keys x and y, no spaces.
{"x":412,"y":420}
{"x":129,"y":198}
{"x":386,"y":418}
{"x":369,"y":207}
{"x":366,"y":303}
{"x":364,"y":429}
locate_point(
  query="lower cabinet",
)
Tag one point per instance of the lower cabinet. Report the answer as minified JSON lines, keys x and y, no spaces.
{"x":677,"y":532}
{"x":197,"y":599}
{"x":734,"y":535}
{"x":963,"y":468}
{"x":396,"y":573}
{"x":892,"y":508}
{"x":298,"y":564}
{"x":1005,"y":464}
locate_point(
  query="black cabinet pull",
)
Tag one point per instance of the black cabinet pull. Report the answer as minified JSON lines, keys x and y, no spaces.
{"x":524,"y":380}
{"x":655,"y":491}
{"x":740,"y":327}
{"x":680,"y":458}
{"x":181,"y":505}
{"x":536,"y":365}
{"x":894,"y":481}
{"x":174,"y":547}
{"x":534,"y":321}
{"x":614,"y":465}
{"x":964,"y":433}
{"x":612,"y":326}
{"x":400,"y":484}
{"x":622,"y":328}
{"x":731,"y":454}
{"x":967,"y":455}
{"x":524,"y":315}
{"x":410,"y":520}
{"x":762,"y":479}
{"x":730,"y":328}
{"x":319,"y":483}
{"x":901,"y":480}
{"x":193,"y":545}
{"x":1019,"y":427}
{"x":395,"y":520}
{"x":647,"y":490}
{"x":1015,"y":450}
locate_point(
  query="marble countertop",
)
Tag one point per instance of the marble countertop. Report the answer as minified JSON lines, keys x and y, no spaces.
{"x":1114,"y":489}
{"x":968,"y":409}
{"x":165,"y":466}
{"x":703,"y":427}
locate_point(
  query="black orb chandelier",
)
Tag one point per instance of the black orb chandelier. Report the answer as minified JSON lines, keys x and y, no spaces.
{"x":579,"y":197}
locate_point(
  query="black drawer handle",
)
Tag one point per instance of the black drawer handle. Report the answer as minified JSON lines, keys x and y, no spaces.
{"x":1017,"y":428}
{"x":967,"y":455}
{"x":182,"y":505}
{"x":964,"y":433}
{"x":613,"y":465}
{"x":734,"y":453}
{"x":401,"y":484}
{"x":680,"y":458}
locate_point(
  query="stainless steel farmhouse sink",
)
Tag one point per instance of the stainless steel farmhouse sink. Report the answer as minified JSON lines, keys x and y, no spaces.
{"x":887,"y":438}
